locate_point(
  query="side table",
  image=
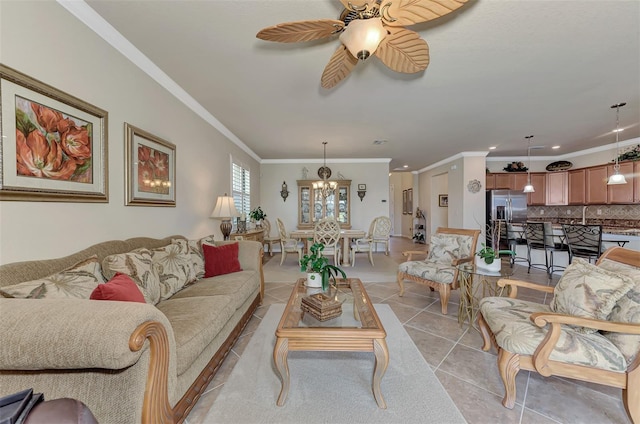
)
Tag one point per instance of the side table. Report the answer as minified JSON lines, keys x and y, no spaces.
{"x":476,"y":283}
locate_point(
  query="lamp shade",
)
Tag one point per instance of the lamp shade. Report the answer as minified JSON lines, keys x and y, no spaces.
{"x":529,"y":189}
{"x":362,"y":37}
{"x":225,"y":208}
{"x":616,"y":178}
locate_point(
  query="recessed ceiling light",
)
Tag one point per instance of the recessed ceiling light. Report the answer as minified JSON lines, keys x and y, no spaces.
{"x":555,"y":147}
{"x":492,"y":148}
{"x":619,"y":130}
{"x":405,"y":166}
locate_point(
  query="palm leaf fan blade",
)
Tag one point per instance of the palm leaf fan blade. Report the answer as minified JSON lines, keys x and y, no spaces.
{"x":339,"y":67}
{"x":294,"y":32}
{"x":404,"y":51}
{"x":408,"y":12}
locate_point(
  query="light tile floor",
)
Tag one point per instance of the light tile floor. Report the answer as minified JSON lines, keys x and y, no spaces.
{"x":469,"y":375}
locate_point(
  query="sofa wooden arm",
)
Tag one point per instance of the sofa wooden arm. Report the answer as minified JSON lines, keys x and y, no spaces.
{"x":517,"y":283}
{"x":543,"y":351}
{"x":409,"y":253}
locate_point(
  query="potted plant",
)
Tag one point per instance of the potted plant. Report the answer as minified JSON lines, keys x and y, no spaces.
{"x":257,"y":215}
{"x":318,"y":269}
{"x":487,"y":258}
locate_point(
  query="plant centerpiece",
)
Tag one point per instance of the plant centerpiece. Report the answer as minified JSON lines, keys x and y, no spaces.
{"x":318,"y":269}
{"x":489,"y":256}
{"x":257,"y":215}
{"x":632,"y":153}
{"x":515,"y":167}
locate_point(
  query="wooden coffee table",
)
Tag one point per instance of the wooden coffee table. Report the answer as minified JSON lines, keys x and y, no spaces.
{"x":358,"y":329}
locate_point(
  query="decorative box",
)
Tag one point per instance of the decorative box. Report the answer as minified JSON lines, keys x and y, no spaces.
{"x":321,"y":306}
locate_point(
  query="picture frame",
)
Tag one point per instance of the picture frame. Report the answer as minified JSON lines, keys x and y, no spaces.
{"x":54,"y":145}
{"x":362,"y":186}
{"x":410,"y":201}
{"x":443,"y":200}
{"x":150,"y":169}
{"x":404,"y":201}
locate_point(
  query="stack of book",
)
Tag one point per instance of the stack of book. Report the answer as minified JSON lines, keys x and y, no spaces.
{"x":321,"y":306}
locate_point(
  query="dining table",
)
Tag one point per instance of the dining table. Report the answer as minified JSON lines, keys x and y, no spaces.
{"x":345,"y":235}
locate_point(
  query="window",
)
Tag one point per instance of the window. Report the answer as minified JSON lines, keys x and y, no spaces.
{"x":241,"y":188}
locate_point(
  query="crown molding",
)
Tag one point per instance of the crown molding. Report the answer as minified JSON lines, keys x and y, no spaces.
{"x":85,"y":14}
{"x":330,"y":161}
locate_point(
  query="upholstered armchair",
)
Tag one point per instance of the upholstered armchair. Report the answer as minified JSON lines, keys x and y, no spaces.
{"x":589,"y":332}
{"x":449,"y":247}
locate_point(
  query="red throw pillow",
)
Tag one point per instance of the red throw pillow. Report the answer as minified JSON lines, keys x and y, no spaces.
{"x":219,"y":260}
{"x":120,"y":287}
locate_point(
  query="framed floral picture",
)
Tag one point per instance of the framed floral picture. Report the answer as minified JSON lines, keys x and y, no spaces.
{"x":150,"y":169}
{"x":54,"y":145}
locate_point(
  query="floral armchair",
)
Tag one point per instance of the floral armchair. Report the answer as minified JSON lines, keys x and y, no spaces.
{"x":449,"y":247}
{"x":589,"y":332}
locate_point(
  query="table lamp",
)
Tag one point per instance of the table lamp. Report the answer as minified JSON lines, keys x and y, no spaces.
{"x":225,"y":210}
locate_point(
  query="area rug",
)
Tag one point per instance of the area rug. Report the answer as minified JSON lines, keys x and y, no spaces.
{"x":333,"y":387}
{"x":383,"y":271}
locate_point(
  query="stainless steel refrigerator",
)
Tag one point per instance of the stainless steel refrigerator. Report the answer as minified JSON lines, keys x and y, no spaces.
{"x":506,"y":205}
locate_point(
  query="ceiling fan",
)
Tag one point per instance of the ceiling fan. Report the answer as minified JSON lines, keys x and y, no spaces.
{"x":369,"y":28}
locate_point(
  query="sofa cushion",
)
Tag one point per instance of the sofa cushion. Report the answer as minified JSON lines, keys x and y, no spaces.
{"x":433,"y":271}
{"x":444,"y":248}
{"x":77,"y":281}
{"x":626,"y":310}
{"x":173,"y":265}
{"x":195,"y":322}
{"x":588,"y":291}
{"x":220,"y":260}
{"x":509,"y":321}
{"x":121,"y":288}
{"x":196,"y":254}
{"x":138,"y":265}
{"x":238,"y":285}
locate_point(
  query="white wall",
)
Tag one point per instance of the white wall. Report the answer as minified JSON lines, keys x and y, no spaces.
{"x":44,"y":41}
{"x":375,"y":203}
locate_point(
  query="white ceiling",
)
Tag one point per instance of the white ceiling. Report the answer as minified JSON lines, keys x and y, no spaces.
{"x":500,"y":70}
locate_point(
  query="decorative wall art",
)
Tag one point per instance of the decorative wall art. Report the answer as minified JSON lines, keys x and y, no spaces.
{"x":404,"y":202}
{"x":443,"y":200}
{"x":150,"y":169}
{"x":409,"y":201}
{"x":54,"y":145}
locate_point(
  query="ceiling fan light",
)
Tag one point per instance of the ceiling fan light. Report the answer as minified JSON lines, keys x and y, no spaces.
{"x":529,"y":188}
{"x":616,"y":178}
{"x":362,"y":37}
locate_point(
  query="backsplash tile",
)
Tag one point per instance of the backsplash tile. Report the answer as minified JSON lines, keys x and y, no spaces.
{"x":627,"y":216}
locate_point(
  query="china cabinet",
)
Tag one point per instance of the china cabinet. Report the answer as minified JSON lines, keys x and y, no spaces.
{"x":312,"y":206}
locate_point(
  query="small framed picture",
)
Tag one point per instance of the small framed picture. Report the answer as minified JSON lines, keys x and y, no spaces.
{"x":150,"y":169}
{"x":443,"y":200}
{"x":362,"y":186}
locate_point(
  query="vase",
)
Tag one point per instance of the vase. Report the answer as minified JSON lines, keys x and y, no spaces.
{"x":314,"y":279}
{"x":492,"y":267}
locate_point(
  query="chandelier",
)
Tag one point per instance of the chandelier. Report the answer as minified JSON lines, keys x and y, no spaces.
{"x":529,"y":187}
{"x":617,"y":177}
{"x":325,"y":187}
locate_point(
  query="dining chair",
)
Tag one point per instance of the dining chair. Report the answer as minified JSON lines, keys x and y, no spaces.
{"x":267,"y":238}
{"x":584,"y":241}
{"x":382,"y":233}
{"x":287,"y":244}
{"x":327,"y":232}
{"x":540,"y":236}
{"x":364,"y":245}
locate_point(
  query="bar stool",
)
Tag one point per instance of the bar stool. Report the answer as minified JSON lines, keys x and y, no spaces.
{"x":584,"y":241}
{"x":515,"y":238}
{"x":540,"y":236}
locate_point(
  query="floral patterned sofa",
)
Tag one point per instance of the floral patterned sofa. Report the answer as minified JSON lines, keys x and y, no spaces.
{"x":590,"y":331}
{"x":449,"y":248}
{"x":127,"y":361}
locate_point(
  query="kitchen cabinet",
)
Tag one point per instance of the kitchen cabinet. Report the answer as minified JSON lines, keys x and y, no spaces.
{"x":312,"y":207}
{"x":576,"y":185}
{"x":506,"y":181}
{"x":621,"y":193}
{"x":557,"y":188}
{"x":596,"y":185}
{"x":539,"y":182}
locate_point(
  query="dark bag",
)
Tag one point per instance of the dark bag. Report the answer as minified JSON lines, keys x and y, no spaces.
{"x":15,"y":408}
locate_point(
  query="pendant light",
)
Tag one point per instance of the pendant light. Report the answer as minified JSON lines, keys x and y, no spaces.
{"x":617,"y":177}
{"x":529,"y":187}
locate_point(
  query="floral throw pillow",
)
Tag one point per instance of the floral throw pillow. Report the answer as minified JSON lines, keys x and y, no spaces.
{"x":173,"y":265}
{"x":137,"y":264}
{"x":197,"y":256}
{"x":589,"y":291}
{"x":76,"y":282}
